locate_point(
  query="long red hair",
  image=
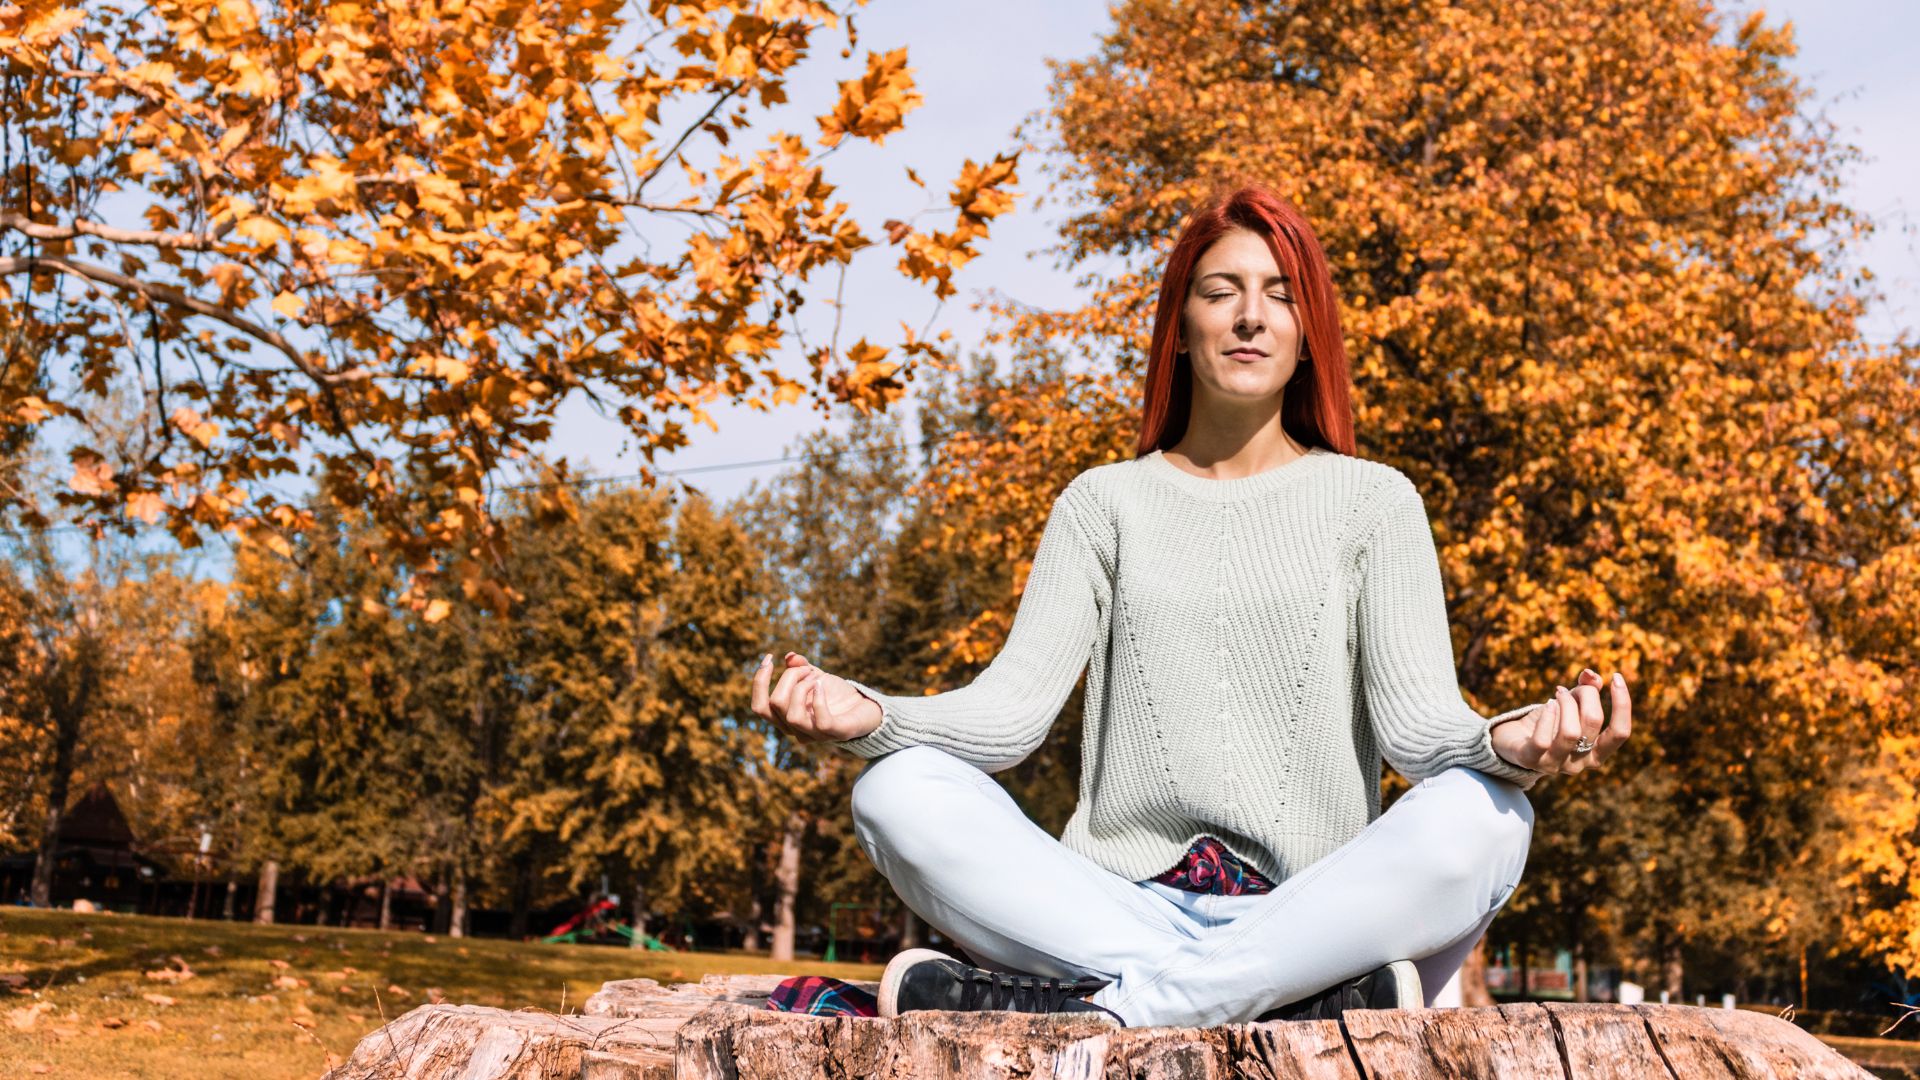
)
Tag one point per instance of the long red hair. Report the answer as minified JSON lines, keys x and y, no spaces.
{"x":1317,"y":406}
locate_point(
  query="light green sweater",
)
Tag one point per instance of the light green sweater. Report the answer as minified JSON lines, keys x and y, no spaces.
{"x":1257,"y":645}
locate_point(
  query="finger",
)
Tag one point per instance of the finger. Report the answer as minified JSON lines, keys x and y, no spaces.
{"x":801,"y":715}
{"x":782,"y":697}
{"x":1572,"y":730}
{"x":1561,"y":734}
{"x":1592,"y":716}
{"x":1546,"y":725}
{"x":829,"y":721}
{"x":1621,"y":724}
{"x":762,"y":686}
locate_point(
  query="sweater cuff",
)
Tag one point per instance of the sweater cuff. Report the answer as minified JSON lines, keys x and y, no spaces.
{"x":1493,"y":764}
{"x":886,"y":738}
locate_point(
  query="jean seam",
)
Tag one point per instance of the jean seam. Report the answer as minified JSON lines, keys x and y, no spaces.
{"x":985,"y":780}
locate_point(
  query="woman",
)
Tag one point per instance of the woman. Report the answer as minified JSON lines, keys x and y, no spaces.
{"x":1265,"y":620}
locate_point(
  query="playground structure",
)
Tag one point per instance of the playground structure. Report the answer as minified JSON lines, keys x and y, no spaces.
{"x":600,"y":922}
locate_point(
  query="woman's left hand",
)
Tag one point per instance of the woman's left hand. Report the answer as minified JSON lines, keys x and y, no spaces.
{"x":1547,"y":739}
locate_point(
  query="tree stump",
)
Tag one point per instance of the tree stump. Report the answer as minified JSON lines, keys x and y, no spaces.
{"x":721,"y":1029}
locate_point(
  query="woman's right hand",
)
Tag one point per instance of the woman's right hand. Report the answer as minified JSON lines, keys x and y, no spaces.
{"x":810,"y":704}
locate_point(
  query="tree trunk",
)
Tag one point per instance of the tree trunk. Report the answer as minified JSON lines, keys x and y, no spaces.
{"x":786,"y":884}
{"x":1673,"y":971}
{"x":639,"y":938}
{"x":226,"y":908}
{"x":1473,"y":977}
{"x":269,"y":888}
{"x":457,"y":918}
{"x":66,"y":737}
{"x":442,"y":908}
{"x":755,"y":913}
{"x":1526,"y":971}
{"x":910,"y":927}
{"x":1580,"y":971}
{"x":522,"y":899}
{"x":386,"y":903}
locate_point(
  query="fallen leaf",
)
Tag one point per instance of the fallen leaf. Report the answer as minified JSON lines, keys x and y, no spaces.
{"x":159,"y":999}
{"x":288,"y":982}
{"x":396,"y":991}
{"x":155,"y":1025}
{"x":23,"y":1019}
{"x":279,"y":964}
{"x":113,"y":1022}
{"x":434,"y":996}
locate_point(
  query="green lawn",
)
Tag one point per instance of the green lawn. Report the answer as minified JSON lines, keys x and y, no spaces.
{"x":265,"y":1002}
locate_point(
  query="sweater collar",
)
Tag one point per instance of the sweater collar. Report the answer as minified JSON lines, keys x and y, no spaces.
{"x":1238,"y":487}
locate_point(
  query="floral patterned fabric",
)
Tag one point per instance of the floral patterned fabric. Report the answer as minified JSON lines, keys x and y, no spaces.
{"x":1210,"y":868}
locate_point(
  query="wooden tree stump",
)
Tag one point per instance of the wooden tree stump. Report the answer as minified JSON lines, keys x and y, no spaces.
{"x":721,"y":1029}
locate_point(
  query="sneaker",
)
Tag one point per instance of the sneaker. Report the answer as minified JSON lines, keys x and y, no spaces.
{"x":1393,"y":986}
{"x":929,"y":979}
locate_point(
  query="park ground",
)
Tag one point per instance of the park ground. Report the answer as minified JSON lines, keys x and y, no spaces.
{"x":110,"y":996}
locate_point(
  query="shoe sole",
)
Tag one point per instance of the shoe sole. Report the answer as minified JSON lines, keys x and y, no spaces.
{"x":896,"y":971}
{"x":1407,"y":992}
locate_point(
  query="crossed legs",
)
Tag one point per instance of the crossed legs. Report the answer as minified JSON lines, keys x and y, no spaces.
{"x":1421,"y":882}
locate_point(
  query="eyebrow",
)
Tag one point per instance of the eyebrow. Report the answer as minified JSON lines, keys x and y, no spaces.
{"x":1272,"y":279}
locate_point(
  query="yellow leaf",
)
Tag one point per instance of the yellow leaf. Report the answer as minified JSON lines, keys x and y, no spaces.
{"x":289,"y":305}
{"x":437,"y":611}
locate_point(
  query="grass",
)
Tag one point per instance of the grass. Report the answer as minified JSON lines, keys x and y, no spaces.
{"x":272,"y":1002}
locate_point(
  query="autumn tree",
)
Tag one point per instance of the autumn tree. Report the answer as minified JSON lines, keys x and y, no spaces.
{"x":380,"y":247}
{"x":1596,"y":294}
{"x":821,"y":533}
{"x":623,"y":751}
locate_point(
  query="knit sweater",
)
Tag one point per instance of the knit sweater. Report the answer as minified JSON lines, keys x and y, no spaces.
{"x":1257,"y":645}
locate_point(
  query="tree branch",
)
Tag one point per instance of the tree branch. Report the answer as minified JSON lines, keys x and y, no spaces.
{"x":179,"y":240}
{"x":166,"y":294}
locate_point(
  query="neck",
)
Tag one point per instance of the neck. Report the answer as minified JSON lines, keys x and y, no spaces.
{"x":1231,"y":443}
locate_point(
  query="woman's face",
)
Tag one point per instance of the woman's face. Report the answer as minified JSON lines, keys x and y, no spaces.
{"x":1239,"y":327}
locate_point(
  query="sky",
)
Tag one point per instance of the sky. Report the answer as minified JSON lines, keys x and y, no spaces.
{"x":978,"y":81}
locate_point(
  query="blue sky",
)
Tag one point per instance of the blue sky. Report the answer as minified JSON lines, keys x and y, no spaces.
{"x":979,"y":80}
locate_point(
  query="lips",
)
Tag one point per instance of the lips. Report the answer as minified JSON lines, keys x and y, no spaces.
{"x":1248,"y":354}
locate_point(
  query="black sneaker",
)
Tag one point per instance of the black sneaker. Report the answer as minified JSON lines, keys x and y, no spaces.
{"x":1394,"y":986}
{"x":928,"y":979}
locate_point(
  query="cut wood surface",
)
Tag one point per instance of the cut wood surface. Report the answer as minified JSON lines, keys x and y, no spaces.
{"x":721,"y":1029}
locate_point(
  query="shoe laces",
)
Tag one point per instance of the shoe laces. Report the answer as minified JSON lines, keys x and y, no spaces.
{"x":983,"y":989}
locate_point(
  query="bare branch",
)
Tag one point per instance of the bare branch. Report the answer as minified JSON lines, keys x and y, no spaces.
{"x":174,"y":297}
{"x":42,"y":231}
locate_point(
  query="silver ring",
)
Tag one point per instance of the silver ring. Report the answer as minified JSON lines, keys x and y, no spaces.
{"x":1582,"y":746}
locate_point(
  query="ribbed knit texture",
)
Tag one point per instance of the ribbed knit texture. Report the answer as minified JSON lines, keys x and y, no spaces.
{"x":1257,"y":645}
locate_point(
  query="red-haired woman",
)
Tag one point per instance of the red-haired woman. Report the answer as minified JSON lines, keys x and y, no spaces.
{"x":1265,"y":620}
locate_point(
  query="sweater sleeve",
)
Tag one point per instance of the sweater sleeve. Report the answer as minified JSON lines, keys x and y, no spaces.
{"x":1411,"y":689}
{"x":1003,"y":714}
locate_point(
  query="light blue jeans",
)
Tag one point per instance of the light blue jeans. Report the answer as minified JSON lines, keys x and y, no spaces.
{"x":1420,"y":883}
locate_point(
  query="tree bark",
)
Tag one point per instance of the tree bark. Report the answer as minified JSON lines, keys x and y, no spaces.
{"x":910,"y":929}
{"x":226,"y":907}
{"x":1473,"y":978}
{"x":457,"y":918}
{"x":786,"y":884}
{"x":756,"y":912}
{"x":721,"y":1028}
{"x":269,"y":888}
{"x":66,"y":739}
{"x":522,"y":898}
{"x":1580,"y":971}
{"x":386,"y":903}
{"x":639,"y":938}
{"x":1673,"y":972}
